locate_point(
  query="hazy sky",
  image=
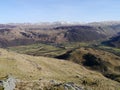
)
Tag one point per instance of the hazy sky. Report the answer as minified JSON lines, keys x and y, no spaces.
{"x":58,"y":10}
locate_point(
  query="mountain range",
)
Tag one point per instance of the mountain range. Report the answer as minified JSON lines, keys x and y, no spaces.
{"x":60,"y":56}
{"x":22,"y":34}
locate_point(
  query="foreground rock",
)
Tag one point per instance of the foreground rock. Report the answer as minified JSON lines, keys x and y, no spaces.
{"x":9,"y":83}
{"x":47,"y":85}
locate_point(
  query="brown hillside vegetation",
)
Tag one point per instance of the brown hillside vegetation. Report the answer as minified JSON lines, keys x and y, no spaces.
{"x":29,"y":68}
{"x":106,"y":63}
{"x":22,"y":34}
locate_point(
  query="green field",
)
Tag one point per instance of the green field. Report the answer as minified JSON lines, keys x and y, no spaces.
{"x":48,"y":50}
{"x":113,"y":50}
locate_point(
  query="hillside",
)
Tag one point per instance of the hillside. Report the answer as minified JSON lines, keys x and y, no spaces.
{"x":24,"y":34}
{"x":62,"y":56}
{"x":98,"y":60}
{"x":29,"y":70}
{"x":113,"y":42}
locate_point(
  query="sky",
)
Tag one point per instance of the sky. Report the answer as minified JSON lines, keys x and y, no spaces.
{"x":23,"y":11}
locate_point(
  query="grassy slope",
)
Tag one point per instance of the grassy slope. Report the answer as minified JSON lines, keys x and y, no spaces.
{"x":38,"y":50}
{"x":45,"y":49}
{"x":29,"y":68}
{"x":109,"y":49}
{"x":106,"y":63}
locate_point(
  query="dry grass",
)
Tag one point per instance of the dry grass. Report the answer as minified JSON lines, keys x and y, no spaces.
{"x":29,"y":68}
